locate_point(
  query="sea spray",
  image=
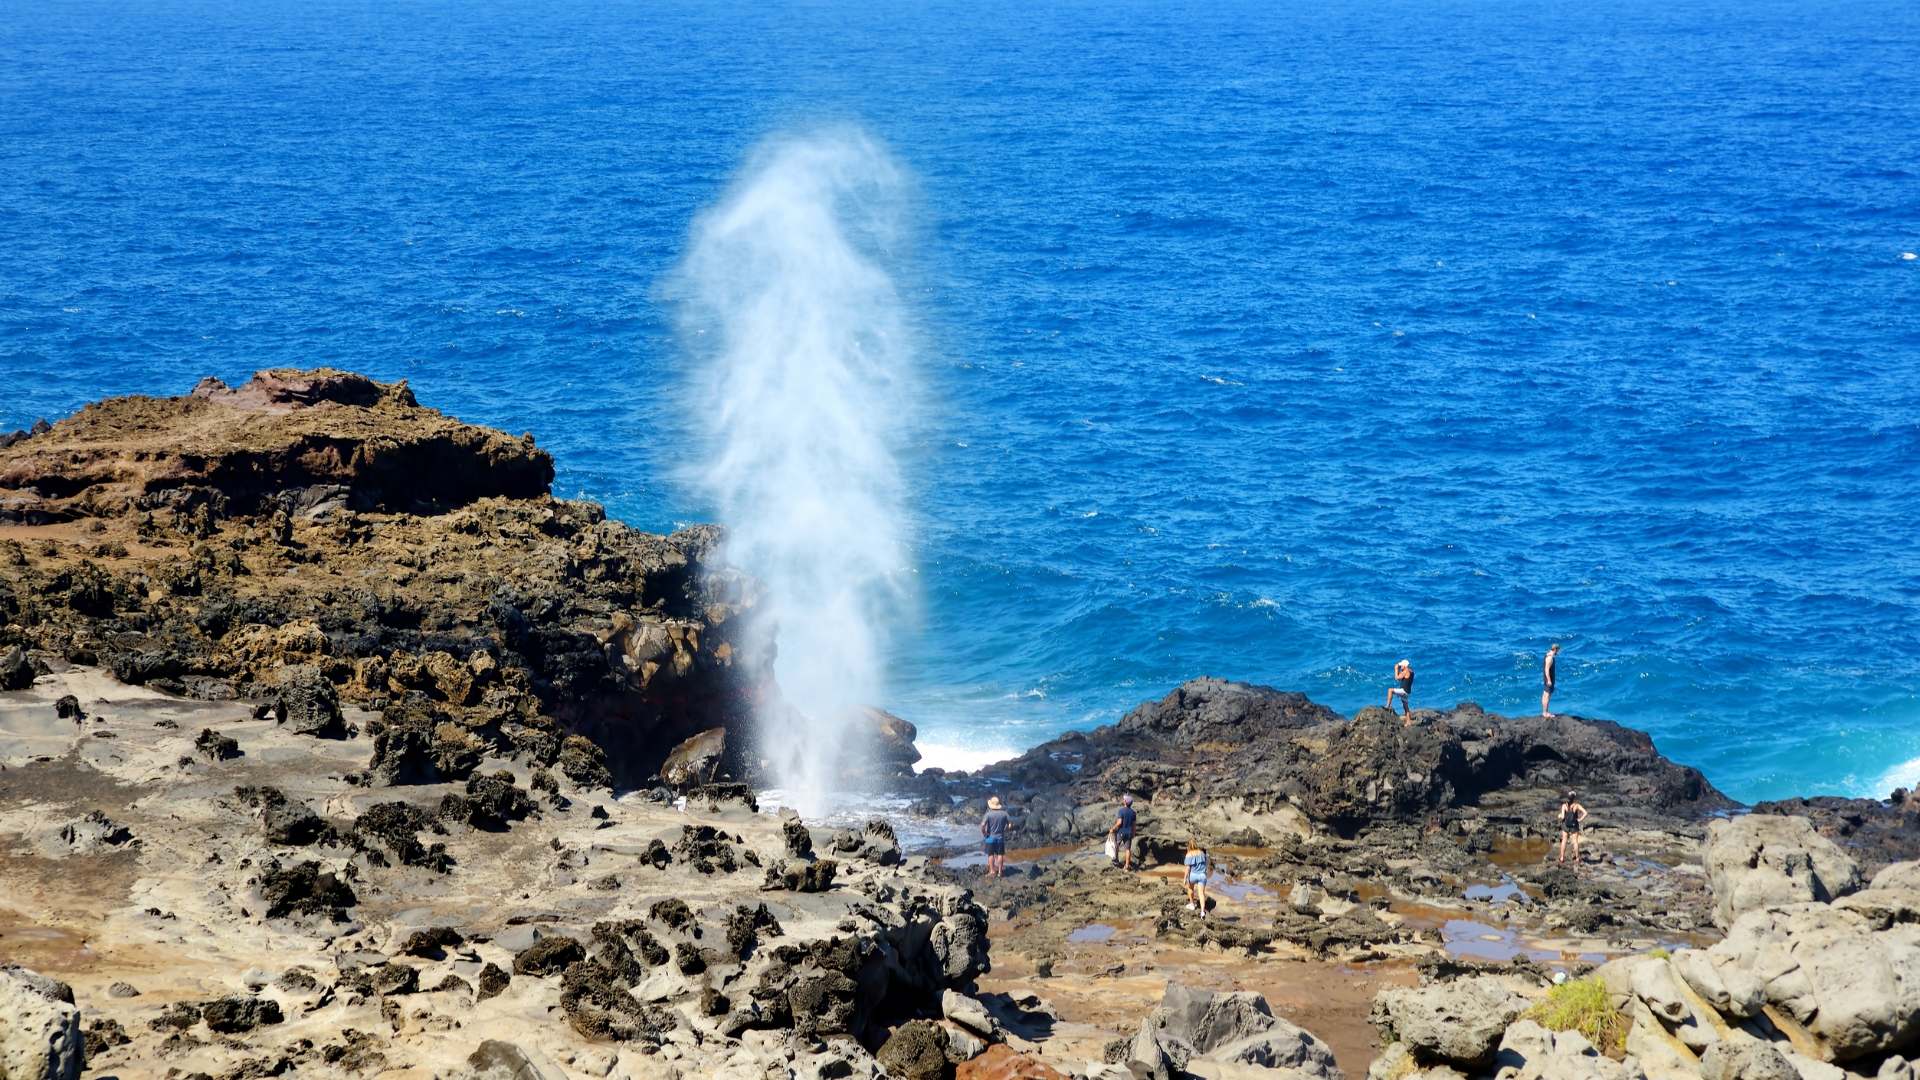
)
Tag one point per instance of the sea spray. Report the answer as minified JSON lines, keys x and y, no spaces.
{"x":803,"y":386}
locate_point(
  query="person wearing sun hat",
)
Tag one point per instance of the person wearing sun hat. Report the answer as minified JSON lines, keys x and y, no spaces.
{"x":993,"y":828}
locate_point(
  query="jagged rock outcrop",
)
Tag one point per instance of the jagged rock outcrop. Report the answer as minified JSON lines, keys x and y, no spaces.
{"x":1278,"y":754}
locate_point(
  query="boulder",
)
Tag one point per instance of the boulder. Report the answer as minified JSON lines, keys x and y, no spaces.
{"x":1763,"y":859}
{"x":1239,"y":1029}
{"x":309,"y":705}
{"x":1531,"y":1052}
{"x":1458,"y":1023}
{"x":969,"y":1013}
{"x":917,"y":1050}
{"x":497,"y":1059}
{"x":1282,"y":1046}
{"x":16,"y":671}
{"x":40,"y":1035}
{"x":695,"y":761}
{"x":240,"y":1012}
{"x":964,"y":1045}
{"x":549,"y":956}
{"x":1900,"y":875}
{"x":1156,"y":1055}
{"x":1849,"y":977}
{"x":1745,"y":1061}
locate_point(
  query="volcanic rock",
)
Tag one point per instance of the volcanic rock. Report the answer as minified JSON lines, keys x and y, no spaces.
{"x":327,"y":527}
{"x":917,"y":1050}
{"x":1277,"y":758}
{"x":40,"y":1035}
{"x":1762,"y":860}
{"x":1458,"y":1023}
{"x":15,"y":672}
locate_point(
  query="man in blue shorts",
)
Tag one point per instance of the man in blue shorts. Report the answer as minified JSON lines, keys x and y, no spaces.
{"x":994,"y":828}
{"x":1122,"y":832}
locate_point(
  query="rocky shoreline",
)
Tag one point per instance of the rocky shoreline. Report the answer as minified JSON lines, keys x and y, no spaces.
{"x":332,"y":745}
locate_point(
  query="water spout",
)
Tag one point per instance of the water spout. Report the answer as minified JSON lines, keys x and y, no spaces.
{"x":804,"y":383}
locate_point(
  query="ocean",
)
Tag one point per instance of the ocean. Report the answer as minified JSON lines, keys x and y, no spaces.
{"x":1275,"y":342}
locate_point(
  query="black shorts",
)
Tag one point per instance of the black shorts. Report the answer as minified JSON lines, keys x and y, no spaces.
{"x":996,"y":847}
{"x":1570,"y":827}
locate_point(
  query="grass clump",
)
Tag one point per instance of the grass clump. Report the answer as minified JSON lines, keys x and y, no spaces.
{"x":1583,"y":1005}
{"x":1661,"y":954}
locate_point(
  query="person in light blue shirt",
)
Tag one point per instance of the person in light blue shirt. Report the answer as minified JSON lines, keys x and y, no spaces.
{"x":1196,"y":861}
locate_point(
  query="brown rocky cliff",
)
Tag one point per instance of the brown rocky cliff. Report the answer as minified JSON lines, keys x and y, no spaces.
{"x":232,"y":543}
{"x":369,"y":444}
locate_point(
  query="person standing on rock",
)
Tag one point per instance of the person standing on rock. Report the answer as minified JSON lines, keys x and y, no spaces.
{"x":1403,"y":675}
{"x":1196,"y":863}
{"x":1571,"y":815}
{"x":1547,"y":673}
{"x":1122,"y":831}
{"x":993,"y":828}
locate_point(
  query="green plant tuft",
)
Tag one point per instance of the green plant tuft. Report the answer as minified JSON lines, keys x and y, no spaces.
{"x":1583,"y":1005}
{"x":1661,"y":953}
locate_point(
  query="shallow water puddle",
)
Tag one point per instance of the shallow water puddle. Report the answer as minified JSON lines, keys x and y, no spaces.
{"x":1093,"y":934}
{"x":1233,"y":888}
{"x":1507,"y":854}
{"x":1497,"y":894}
{"x":1465,"y":937}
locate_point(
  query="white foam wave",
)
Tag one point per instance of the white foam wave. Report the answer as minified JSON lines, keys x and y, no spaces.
{"x":960,"y":758}
{"x":1904,"y":775}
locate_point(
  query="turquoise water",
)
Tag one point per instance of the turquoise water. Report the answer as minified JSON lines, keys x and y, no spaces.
{"x":1267,"y":342}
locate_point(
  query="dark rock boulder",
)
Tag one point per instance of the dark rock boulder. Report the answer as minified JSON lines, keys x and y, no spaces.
{"x":492,"y":803}
{"x":917,"y":1050}
{"x":240,"y":1012}
{"x":214,"y":746}
{"x":394,"y":828}
{"x":309,"y":705}
{"x":584,"y":762}
{"x":431,"y":943}
{"x":284,"y":821}
{"x":305,"y":889}
{"x":549,"y":956}
{"x":491,"y":981}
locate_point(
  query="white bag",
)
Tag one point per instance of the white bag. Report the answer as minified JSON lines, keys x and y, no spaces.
{"x":1112,"y":851}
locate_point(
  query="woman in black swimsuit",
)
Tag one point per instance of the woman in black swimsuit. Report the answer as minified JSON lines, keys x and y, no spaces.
{"x":1571,"y":815}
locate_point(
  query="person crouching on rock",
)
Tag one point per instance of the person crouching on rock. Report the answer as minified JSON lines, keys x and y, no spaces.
{"x":994,"y":828}
{"x":1571,"y":815}
{"x":1196,"y":861}
{"x":1122,"y":831}
{"x":1403,"y":675}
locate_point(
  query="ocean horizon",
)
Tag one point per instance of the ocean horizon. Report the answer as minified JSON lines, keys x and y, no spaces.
{"x":1271,"y":344}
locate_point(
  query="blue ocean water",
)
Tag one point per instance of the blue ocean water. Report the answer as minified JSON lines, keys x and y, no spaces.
{"x":1269,"y":341}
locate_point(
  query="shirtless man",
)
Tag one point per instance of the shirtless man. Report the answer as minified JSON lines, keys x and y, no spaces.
{"x":1547,"y":678}
{"x":1402,"y":674}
